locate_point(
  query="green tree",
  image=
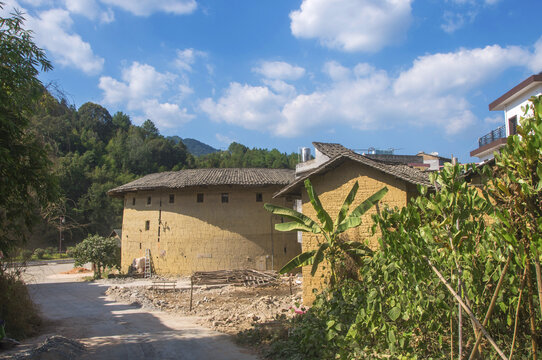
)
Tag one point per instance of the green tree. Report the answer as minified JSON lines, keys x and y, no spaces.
{"x":121,"y":121}
{"x":516,"y":186}
{"x":100,"y":251}
{"x":26,"y":183}
{"x":150,"y":129}
{"x":95,"y":119}
{"x":330,"y":247}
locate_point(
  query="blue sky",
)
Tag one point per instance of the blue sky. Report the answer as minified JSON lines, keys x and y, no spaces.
{"x":404,"y":74}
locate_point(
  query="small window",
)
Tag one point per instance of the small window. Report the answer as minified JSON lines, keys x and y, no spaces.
{"x":139,"y":245}
{"x":225,"y":197}
{"x":149,"y":200}
{"x":171,"y":198}
{"x":133,"y":201}
{"x":513,"y":125}
{"x":147,"y":225}
{"x":259,"y":197}
{"x":200,"y":197}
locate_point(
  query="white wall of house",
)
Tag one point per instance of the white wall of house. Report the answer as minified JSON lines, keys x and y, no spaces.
{"x":514,"y":108}
{"x":318,"y":160}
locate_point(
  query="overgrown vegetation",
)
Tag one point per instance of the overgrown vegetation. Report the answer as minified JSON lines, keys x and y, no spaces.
{"x":102,"y":252}
{"x":331,"y":249}
{"x":456,"y":275}
{"x":16,"y":308}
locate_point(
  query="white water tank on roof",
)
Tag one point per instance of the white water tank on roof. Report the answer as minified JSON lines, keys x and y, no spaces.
{"x":305,"y":154}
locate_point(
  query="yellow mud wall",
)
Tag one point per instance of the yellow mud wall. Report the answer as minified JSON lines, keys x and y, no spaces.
{"x":332,"y":188}
{"x":186,"y":236}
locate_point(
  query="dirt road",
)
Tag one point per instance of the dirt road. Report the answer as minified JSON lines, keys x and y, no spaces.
{"x":111,"y":330}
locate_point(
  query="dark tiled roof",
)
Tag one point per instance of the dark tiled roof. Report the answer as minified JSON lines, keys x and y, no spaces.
{"x":400,"y":171}
{"x":330,"y":149}
{"x":206,"y":177}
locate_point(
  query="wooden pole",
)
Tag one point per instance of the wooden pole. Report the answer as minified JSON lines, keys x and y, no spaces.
{"x":531,"y":308}
{"x":191,"y":290}
{"x":521,"y":287}
{"x":466,"y":308}
{"x":475,"y":350}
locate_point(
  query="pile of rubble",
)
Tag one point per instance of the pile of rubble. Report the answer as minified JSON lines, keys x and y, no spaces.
{"x":54,"y":348}
{"x":225,"y":308}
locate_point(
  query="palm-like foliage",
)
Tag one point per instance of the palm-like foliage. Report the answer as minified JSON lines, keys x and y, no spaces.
{"x":331,"y":248}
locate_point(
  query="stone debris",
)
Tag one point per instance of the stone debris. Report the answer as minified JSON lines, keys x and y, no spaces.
{"x":227,"y":308}
{"x":54,"y":348}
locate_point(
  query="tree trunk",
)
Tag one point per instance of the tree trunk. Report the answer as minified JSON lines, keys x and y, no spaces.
{"x":531,"y":308}
{"x":538,"y":279}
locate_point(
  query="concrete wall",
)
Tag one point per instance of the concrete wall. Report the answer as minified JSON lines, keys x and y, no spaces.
{"x":332,"y":188}
{"x":514,"y":108}
{"x":187,"y":236}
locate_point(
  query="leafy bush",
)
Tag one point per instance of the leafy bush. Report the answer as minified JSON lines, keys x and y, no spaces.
{"x":70,"y":251}
{"x":25,"y":254}
{"x":101,"y":252}
{"x":16,"y":308}
{"x":39,"y":253}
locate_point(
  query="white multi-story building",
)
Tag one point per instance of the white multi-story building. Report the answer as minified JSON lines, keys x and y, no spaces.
{"x":511,"y":103}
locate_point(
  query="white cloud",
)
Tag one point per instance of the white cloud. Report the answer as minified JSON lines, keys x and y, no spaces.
{"x":52,"y":31}
{"x":148,"y":7}
{"x":455,"y":21}
{"x":352,"y":25}
{"x":225,"y":139}
{"x":434,"y":92}
{"x":141,"y":89}
{"x":140,"y":81}
{"x":252,"y":107}
{"x":535,"y":62}
{"x":458,"y":71}
{"x":336,"y":71}
{"x":165,"y":114}
{"x":279,"y":70}
{"x":89,"y":9}
{"x":497,"y":119}
{"x":186,"y":58}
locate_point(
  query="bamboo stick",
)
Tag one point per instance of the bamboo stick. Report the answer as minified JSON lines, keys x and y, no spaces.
{"x":522,"y":286}
{"x":467,"y":309}
{"x":475,"y":349}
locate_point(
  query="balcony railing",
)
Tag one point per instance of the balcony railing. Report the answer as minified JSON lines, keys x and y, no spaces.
{"x":498,"y":133}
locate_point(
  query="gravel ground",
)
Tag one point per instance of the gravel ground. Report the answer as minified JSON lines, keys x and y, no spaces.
{"x":228,"y":309}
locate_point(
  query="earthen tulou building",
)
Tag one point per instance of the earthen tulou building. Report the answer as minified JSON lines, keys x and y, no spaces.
{"x":205,"y":220}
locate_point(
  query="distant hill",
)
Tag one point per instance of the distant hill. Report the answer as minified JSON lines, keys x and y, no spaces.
{"x":194,"y":146}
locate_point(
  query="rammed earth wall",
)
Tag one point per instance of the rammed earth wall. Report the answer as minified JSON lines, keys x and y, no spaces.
{"x":206,"y":236}
{"x":332,"y":188}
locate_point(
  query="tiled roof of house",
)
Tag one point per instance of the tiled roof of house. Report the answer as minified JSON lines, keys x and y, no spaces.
{"x":400,"y":171}
{"x":206,"y":177}
{"x":330,"y":149}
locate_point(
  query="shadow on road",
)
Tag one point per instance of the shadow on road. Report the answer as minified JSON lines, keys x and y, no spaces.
{"x":111,"y":330}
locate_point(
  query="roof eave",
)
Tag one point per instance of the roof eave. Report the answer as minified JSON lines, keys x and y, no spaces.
{"x":499,"y":104}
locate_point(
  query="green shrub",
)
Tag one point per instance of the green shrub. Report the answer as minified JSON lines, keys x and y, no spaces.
{"x":70,"y":251}
{"x":16,"y":307}
{"x":100,"y":251}
{"x":39,"y":253}
{"x":26,"y":254}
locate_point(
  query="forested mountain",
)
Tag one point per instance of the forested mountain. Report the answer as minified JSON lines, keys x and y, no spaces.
{"x":195,"y":147}
{"x":239,"y":155}
{"x":93,"y":152}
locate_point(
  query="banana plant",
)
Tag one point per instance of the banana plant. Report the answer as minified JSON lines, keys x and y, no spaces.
{"x":331,"y":248}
